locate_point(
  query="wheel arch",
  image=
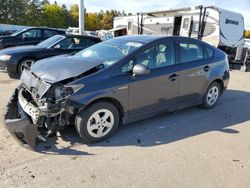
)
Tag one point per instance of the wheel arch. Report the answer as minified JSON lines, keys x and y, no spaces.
{"x":219,"y":81}
{"x":111,"y":100}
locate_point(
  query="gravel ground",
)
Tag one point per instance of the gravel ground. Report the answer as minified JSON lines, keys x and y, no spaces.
{"x":188,"y":148}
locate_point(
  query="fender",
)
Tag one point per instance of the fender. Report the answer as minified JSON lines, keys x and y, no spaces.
{"x":119,"y":94}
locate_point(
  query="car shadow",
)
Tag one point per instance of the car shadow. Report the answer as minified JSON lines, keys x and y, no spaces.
{"x":53,"y":145}
{"x":232,"y":109}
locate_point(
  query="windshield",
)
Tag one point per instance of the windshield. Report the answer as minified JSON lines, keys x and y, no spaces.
{"x":50,"y":41}
{"x":111,"y":51}
{"x":17,"y":32}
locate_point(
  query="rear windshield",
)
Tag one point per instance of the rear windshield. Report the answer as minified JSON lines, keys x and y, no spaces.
{"x":50,"y":41}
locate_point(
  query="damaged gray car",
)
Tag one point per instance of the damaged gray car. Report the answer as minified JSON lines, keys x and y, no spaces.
{"x":117,"y":81}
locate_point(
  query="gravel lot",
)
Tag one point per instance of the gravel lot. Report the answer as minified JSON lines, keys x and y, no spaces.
{"x":188,"y":148}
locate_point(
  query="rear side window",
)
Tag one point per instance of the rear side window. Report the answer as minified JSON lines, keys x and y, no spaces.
{"x":86,"y":42}
{"x":49,"y":33}
{"x":190,"y":52}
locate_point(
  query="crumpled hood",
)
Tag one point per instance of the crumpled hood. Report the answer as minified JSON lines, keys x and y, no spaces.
{"x":60,"y":68}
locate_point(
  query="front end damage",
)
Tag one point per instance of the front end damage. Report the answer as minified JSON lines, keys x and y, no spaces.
{"x":38,"y":109}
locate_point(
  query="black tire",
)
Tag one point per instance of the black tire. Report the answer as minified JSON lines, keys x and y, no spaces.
{"x":206,"y":102}
{"x":20,"y":65}
{"x":82,"y":119}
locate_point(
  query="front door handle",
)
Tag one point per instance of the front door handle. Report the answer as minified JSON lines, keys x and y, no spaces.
{"x":207,"y":68}
{"x":173,"y":77}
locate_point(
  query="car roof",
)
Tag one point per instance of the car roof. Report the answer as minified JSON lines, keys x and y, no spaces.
{"x":141,"y":38}
{"x":78,"y":35}
{"x":43,"y":28}
{"x":150,"y":38}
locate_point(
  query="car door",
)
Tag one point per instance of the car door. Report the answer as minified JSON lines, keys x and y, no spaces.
{"x":194,"y":70}
{"x":30,"y":37}
{"x":159,"y":89}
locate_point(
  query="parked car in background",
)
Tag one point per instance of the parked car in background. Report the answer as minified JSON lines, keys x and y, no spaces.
{"x":28,"y":36}
{"x":124,"y":79}
{"x":15,"y":60}
{"x":7,"y":32}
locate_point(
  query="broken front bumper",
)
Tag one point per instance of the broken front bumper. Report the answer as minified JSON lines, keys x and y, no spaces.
{"x":19,"y":124}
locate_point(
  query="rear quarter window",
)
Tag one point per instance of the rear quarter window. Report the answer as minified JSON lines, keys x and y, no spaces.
{"x":209,"y":52}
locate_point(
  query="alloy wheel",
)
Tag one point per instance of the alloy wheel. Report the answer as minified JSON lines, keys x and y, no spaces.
{"x":100,"y":123}
{"x":27,"y":64}
{"x":213,"y":95}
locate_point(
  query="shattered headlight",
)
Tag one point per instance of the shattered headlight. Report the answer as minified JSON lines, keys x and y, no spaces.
{"x":64,"y":91}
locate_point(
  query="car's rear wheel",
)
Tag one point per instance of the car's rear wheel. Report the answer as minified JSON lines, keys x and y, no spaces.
{"x":212,"y":95}
{"x":97,"y":122}
{"x":25,"y":64}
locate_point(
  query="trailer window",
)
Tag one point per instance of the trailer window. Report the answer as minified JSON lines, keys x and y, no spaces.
{"x":195,"y":27}
{"x":185,"y":23}
{"x":129,"y":26}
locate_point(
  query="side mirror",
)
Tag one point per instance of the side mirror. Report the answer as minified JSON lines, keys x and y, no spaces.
{"x":140,"y":69}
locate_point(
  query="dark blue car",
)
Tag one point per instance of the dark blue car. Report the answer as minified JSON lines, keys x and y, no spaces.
{"x":115,"y":82}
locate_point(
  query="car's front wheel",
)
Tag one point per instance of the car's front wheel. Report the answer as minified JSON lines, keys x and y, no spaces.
{"x":212,"y":95}
{"x":25,"y":64}
{"x":97,"y":122}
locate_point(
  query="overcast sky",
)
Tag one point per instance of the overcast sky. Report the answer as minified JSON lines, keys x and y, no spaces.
{"x":135,"y":6}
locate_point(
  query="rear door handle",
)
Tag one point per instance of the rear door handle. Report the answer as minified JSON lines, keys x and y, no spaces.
{"x":173,"y":77}
{"x":207,"y":68}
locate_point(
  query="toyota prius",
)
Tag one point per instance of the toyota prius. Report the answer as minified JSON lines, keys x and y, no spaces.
{"x":115,"y":82}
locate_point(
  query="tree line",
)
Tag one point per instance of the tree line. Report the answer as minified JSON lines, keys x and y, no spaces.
{"x":43,"y":13}
{"x":247,"y":34}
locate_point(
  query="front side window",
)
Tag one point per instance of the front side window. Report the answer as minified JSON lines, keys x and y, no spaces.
{"x":34,"y":33}
{"x":160,"y":55}
{"x":190,"y":52}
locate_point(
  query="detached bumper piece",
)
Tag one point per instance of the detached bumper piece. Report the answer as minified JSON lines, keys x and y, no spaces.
{"x":19,"y":124}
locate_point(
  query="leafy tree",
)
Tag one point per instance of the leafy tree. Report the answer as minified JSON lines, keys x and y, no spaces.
{"x":34,"y":13}
{"x":43,"y":13}
{"x":53,"y":16}
{"x":247,"y":34}
{"x":91,"y":22}
{"x":13,"y":11}
{"x":74,"y":14}
{"x":44,"y":2}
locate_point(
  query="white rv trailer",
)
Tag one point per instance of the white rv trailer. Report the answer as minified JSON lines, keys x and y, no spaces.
{"x":219,"y":27}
